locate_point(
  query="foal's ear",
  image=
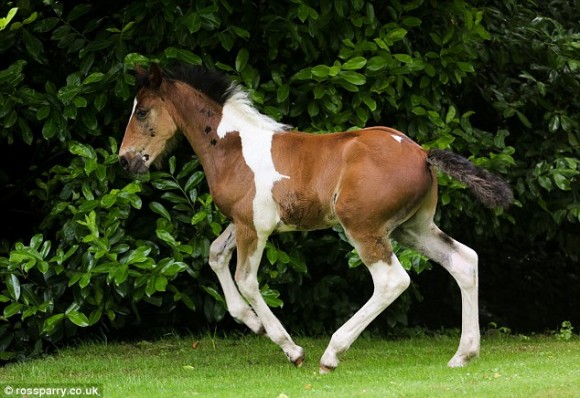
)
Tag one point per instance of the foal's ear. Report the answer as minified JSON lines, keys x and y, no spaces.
{"x":155,"y":75}
{"x":141,"y":75}
{"x":140,"y":71}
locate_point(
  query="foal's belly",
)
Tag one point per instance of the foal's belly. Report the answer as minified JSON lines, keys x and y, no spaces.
{"x":299,"y":212}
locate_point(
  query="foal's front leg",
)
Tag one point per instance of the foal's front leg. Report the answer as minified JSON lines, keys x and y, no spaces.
{"x":250,"y":249}
{"x":220,"y":254}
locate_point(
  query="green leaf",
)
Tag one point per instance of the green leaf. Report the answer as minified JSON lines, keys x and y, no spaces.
{"x":194,"y":180}
{"x":78,"y":11}
{"x":405,"y":58}
{"x":89,"y":119}
{"x":100,"y":101}
{"x":158,"y":208}
{"x":411,"y":22}
{"x":370,"y":103}
{"x":450,"y":114}
{"x":198,"y":217}
{"x":562,"y":182}
{"x":523,"y":118}
{"x":270,"y":296}
{"x":166,"y":237}
{"x":282,"y":93}
{"x":13,"y":285}
{"x":178,"y":54}
{"x":94,"y":78}
{"x":78,"y":318}
{"x":6,"y":20}
{"x":128,"y":27}
{"x":160,"y":283}
{"x":215,"y":294}
{"x":377,"y":63}
{"x":165,"y":185}
{"x":50,"y":128}
{"x":554,"y":124}
{"x":138,"y":255}
{"x":188,"y":57}
{"x":193,"y":22}
{"x":353,"y":77}
{"x":121,"y":273}
{"x":85,"y":280}
{"x":51,"y":323}
{"x":173,"y":268}
{"x":80,"y":102}
{"x":12,"y":309}
{"x":34,"y":46}
{"x":466,"y":67}
{"x":397,"y":34}
{"x":85,"y":151}
{"x":242,"y":59}
{"x":272,"y":254}
{"x":108,"y":200}
{"x":354,"y":63}
{"x":320,"y":71}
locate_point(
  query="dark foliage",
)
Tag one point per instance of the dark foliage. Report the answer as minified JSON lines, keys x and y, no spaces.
{"x":87,"y":249}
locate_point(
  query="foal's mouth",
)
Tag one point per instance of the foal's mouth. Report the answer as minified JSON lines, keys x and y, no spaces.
{"x":133,"y":163}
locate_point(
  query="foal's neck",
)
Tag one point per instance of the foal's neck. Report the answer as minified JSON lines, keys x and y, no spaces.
{"x":198,"y":118}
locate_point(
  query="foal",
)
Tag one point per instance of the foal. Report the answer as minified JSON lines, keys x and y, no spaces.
{"x":376,"y":183}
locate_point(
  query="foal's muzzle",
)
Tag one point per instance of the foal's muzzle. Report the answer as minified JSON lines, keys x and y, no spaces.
{"x":134,"y":164}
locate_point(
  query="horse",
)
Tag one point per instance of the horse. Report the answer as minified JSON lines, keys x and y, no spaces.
{"x":267,"y":178}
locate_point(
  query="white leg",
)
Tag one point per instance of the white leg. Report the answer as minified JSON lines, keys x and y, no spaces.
{"x":461,"y":262}
{"x":390,"y":280}
{"x":463,"y":267}
{"x":247,"y":281}
{"x":220,"y":254}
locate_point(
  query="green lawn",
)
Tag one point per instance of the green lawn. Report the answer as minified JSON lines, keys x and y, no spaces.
{"x":254,"y":367}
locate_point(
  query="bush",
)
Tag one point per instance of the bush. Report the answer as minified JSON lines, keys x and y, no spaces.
{"x":108,"y":251}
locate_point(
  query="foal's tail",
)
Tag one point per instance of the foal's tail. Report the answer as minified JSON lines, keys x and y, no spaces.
{"x":488,"y":188}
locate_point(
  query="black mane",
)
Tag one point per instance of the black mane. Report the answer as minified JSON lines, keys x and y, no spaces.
{"x":216,"y":85}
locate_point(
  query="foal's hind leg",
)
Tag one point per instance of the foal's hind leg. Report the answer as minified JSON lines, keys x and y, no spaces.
{"x":461,"y":262}
{"x":220,"y":254}
{"x":390,"y":280}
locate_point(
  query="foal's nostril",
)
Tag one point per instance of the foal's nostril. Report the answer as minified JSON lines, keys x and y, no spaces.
{"x":124,"y":162}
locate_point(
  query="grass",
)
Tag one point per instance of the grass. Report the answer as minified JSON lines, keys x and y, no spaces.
{"x":254,"y":367}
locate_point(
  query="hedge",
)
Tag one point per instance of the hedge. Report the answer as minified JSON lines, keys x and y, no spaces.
{"x":88,"y":248}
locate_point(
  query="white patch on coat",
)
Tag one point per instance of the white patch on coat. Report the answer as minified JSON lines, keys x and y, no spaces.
{"x":133,"y":111}
{"x":256,"y":132}
{"x":397,"y":137}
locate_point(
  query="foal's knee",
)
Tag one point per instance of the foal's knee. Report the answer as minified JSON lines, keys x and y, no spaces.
{"x":221,"y":249}
{"x":219,"y":256}
{"x":400,"y":283}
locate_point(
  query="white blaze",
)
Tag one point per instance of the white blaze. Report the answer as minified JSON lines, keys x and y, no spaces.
{"x":133,"y":111}
{"x":256,"y":132}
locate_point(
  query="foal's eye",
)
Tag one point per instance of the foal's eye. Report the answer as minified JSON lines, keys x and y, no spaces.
{"x":142,"y":113}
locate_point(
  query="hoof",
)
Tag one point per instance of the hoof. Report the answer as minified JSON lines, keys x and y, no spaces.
{"x":296,"y":356}
{"x":298,"y":361}
{"x":456,"y":363}
{"x":460,"y":361}
{"x":326,"y":369}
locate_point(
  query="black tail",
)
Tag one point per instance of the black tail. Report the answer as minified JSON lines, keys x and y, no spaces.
{"x":488,"y":188}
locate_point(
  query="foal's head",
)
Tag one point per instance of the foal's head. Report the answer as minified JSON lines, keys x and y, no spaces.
{"x":151,"y":125}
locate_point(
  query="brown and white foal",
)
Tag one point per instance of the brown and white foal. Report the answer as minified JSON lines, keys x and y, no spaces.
{"x":376,"y":182}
